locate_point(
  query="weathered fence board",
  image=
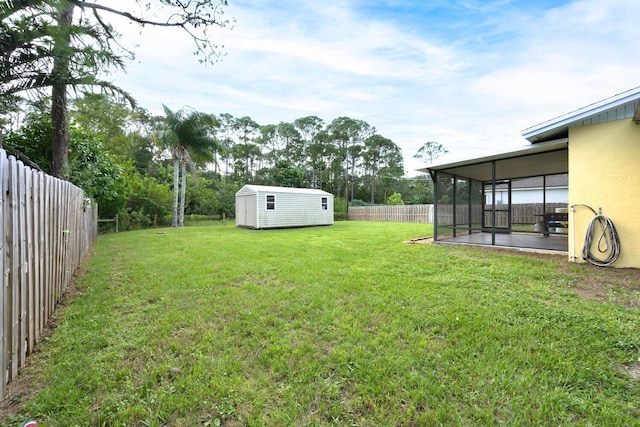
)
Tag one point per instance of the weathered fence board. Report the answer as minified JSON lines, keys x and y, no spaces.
{"x":3,"y":271}
{"x":14,"y":296}
{"x":46,"y":229}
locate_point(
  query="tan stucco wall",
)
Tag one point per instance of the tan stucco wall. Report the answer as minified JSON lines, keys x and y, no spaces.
{"x":604,"y":172}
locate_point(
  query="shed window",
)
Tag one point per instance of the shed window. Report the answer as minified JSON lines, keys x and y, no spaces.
{"x":324,"y":204}
{"x":271,"y":202}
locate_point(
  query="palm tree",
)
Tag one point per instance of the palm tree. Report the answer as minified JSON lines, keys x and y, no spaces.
{"x":187,"y":136}
{"x":40,"y":48}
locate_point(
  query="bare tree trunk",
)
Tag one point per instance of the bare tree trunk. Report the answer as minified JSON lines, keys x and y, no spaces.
{"x":60,"y":72}
{"x":183,"y":194}
{"x":176,"y":180}
{"x":346,"y":182}
{"x":373,"y":183}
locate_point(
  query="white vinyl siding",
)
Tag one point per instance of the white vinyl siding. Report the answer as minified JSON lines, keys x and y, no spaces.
{"x":282,"y":207}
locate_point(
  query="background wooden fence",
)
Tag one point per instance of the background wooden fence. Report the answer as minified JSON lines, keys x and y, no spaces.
{"x":524,"y":213}
{"x":46,"y":229}
{"x":404,"y":213}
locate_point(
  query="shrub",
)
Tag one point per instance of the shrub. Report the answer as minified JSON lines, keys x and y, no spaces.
{"x":395,"y":199}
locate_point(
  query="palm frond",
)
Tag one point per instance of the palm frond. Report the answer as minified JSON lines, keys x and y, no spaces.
{"x":192,"y":132}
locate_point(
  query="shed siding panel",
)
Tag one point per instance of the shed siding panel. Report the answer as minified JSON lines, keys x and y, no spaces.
{"x":293,"y":207}
{"x":294,"y":210}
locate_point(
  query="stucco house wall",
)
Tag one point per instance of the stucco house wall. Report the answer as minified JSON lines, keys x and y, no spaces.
{"x":604,"y":172}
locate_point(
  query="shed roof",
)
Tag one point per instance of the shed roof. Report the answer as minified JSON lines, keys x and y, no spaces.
{"x":271,"y":189}
{"x":624,"y":105}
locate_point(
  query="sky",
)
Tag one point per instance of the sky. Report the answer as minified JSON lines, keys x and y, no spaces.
{"x":468,"y":74}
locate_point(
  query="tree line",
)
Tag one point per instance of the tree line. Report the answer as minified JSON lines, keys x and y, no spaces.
{"x":128,"y":159}
{"x":124,"y":158}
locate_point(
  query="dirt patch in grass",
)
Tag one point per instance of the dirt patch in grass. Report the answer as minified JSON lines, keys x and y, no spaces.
{"x":619,"y":285}
{"x":633,"y":370}
{"x":419,"y":240}
{"x":19,"y":391}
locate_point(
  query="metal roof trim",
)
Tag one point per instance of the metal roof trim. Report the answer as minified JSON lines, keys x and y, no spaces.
{"x":580,"y":114}
{"x":273,"y":189}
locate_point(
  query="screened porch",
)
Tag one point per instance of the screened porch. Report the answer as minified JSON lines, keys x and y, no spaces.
{"x":516,"y":199}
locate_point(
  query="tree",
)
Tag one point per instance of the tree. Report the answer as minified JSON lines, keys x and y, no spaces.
{"x":41,"y":47}
{"x":348,"y":135}
{"x":269,"y":140}
{"x":225,"y":139}
{"x":107,"y":117}
{"x":430,"y":151}
{"x":127,"y":134}
{"x":45,"y":44}
{"x":395,"y":199}
{"x":187,"y":136}
{"x":381,"y":153}
{"x":33,"y":138}
{"x":309,"y":128}
{"x":246,"y":128}
{"x":94,"y":168}
{"x":284,"y":174}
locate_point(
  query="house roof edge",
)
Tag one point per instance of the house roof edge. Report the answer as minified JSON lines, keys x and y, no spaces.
{"x":534,"y":133}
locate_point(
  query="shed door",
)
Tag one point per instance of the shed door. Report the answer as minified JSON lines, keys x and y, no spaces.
{"x":240,"y":211}
{"x":250,"y":211}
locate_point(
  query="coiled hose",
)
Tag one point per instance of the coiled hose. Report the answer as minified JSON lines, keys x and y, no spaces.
{"x":608,"y":241}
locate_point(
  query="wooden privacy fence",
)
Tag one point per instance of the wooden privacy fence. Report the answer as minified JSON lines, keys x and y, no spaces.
{"x":46,"y":229}
{"x":523,"y":213}
{"x":530,"y":213}
{"x":403,"y":213}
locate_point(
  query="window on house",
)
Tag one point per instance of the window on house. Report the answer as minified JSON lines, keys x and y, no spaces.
{"x":324,"y":204}
{"x":271,"y":202}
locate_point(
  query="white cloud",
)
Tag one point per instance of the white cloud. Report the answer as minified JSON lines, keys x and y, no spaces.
{"x":473,"y":89}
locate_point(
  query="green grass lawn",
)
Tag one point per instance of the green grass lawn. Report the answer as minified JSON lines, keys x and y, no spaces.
{"x":342,"y":325}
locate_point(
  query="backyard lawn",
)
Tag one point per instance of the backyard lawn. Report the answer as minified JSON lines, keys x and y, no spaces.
{"x":343,"y":325}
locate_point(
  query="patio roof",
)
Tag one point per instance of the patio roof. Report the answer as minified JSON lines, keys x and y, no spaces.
{"x":548,"y":158}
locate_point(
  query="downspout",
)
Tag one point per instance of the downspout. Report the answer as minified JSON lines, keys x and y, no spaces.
{"x":572,"y":225}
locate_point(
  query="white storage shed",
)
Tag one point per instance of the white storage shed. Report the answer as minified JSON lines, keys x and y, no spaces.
{"x":260,"y":206}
